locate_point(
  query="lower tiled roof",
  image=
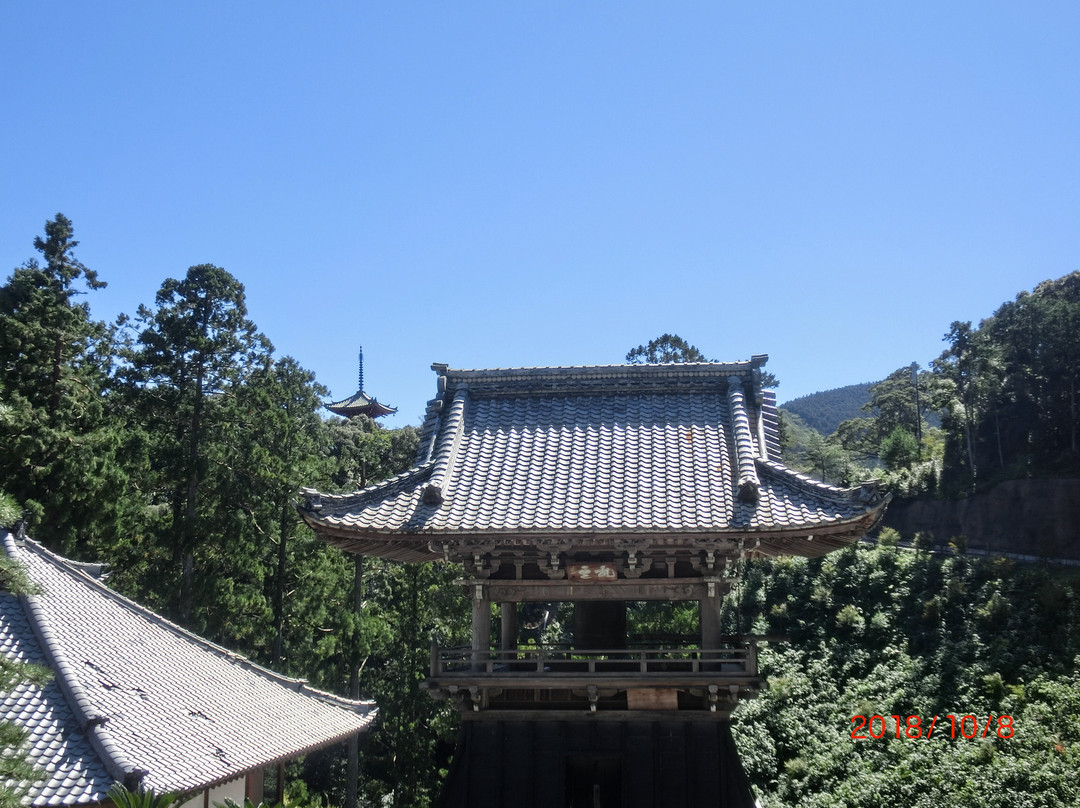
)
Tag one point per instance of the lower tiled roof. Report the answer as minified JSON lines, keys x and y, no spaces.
{"x":74,"y":774}
{"x":134,"y":697}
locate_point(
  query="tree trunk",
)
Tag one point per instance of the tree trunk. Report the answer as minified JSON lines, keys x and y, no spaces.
{"x":279,"y":582}
{"x":970,"y":445}
{"x":57,"y":367}
{"x":352,"y":775}
{"x":189,"y":531}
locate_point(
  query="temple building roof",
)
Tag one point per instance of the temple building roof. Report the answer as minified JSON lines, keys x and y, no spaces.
{"x":659,"y":454}
{"x":137,"y":700}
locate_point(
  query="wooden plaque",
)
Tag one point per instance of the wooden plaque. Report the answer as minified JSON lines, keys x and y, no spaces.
{"x":598,"y":572}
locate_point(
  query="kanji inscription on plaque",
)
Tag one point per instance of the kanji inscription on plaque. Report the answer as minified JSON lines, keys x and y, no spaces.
{"x":591,"y":572}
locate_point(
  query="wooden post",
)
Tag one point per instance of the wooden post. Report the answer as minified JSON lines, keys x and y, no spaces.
{"x":481,"y":626}
{"x":709,"y":607}
{"x":508,"y":628}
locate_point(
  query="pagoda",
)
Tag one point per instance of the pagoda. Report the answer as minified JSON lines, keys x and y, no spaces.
{"x":597,"y":486}
{"x":360,"y":403}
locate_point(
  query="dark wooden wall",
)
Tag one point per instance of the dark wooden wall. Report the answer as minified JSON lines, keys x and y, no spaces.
{"x":579,"y":764}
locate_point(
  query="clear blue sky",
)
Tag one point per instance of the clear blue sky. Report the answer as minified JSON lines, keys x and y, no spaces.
{"x":542,"y":183}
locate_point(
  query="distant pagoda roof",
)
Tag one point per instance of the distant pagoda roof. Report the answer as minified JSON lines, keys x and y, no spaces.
{"x":360,"y":403}
{"x":588,"y":457}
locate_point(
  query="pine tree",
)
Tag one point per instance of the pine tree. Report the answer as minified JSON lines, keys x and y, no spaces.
{"x":183,"y":370}
{"x":60,"y":446}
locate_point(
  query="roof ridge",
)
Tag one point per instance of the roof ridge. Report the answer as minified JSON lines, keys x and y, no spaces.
{"x":447,"y":447}
{"x":743,"y":440}
{"x":315,"y":500}
{"x":301,"y":685}
{"x":838,"y":492}
{"x":443,"y":369}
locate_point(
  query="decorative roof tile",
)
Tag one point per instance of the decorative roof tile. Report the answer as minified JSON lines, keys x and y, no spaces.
{"x":136,"y":698}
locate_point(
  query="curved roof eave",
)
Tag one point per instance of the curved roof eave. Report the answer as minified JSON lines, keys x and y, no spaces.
{"x":414,"y":545}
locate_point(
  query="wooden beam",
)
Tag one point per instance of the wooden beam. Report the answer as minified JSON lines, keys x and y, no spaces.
{"x":676,"y":589}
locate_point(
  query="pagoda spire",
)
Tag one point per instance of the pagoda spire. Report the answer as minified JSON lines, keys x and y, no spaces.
{"x":360,"y":403}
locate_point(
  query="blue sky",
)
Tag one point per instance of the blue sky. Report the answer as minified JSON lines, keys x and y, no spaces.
{"x":551,"y":183}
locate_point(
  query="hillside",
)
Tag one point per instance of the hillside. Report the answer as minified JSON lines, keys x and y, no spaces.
{"x":825,"y":410}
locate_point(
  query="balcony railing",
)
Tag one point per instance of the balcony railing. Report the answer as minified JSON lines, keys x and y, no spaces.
{"x":559,"y":662}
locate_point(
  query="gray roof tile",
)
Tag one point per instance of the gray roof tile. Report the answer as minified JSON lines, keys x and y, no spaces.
{"x":186,"y":712}
{"x":593,"y":450}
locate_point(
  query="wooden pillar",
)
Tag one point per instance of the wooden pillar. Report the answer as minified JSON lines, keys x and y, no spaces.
{"x":508,"y":626}
{"x":481,"y":625}
{"x":710,"y":607}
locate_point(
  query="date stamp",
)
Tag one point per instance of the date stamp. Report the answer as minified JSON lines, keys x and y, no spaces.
{"x":865,"y":728}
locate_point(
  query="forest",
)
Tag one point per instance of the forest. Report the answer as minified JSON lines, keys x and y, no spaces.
{"x":999,"y":403}
{"x":172,"y":445}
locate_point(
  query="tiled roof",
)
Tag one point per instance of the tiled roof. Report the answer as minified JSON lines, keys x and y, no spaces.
{"x":360,"y":403}
{"x":137,"y":699}
{"x":588,"y":452}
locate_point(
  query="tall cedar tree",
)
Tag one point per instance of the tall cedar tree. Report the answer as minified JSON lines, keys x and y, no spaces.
{"x":59,"y":445}
{"x":183,"y":370}
{"x":281,"y":441}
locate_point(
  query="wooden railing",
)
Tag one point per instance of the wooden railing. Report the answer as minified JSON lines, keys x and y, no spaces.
{"x":557,"y":661}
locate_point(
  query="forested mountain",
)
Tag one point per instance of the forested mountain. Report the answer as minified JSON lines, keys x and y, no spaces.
{"x":1001,"y":402}
{"x":825,"y":410}
{"x":173,"y":443}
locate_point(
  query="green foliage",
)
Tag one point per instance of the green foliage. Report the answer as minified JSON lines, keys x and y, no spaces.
{"x":824,"y":458}
{"x":9,"y":510}
{"x":1001,"y":638}
{"x":796,"y":435}
{"x":899,"y":450}
{"x":660,"y":621}
{"x":182,"y":373}
{"x":418,"y":606}
{"x":665,"y":348}
{"x":13,"y":767}
{"x":177,"y":456}
{"x":308,"y":802}
{"x":60,"y":444}
{"x":123,"y":797}
{"x":192,"y":499}
{"x":1009,"y":389}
